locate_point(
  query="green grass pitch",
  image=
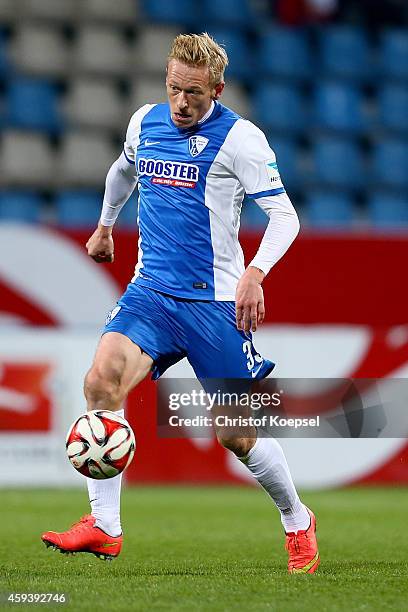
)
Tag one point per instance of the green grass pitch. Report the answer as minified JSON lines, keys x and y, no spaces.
{"x":215,"y":549}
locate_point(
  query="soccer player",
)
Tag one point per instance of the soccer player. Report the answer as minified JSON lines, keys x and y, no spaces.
{"x":193,"y":160}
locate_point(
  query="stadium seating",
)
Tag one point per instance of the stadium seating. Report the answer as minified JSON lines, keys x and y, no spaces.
{"x":388,"y":211}
{"x":32,"y":104}
{"x":84,"y":159}
{"x":393,"y":107}
{"x":7,"y":11}
{"x":344,"y":52}
{"x":20,"y":206}
{"x":241,"y":63}
{"x":284,"y":52}
{"x":328,"y":210}
{"x":124,"y":11}
{"x":94,"y":102}
{"x":390,"y":164}
{"x":171,"y":11}
{"x":339,"y":107}
{"x":47,"y":9}
{"x":4,"y":60}
{"x":26,"y":160}
{"x":253,"y":217}
{"x":128,"y":214}
{"x":229,"y":13}
{"x":235,"y":97}
{"x":40,"y":50}
{"x":102,"y":50}
{"x":78,"y":209}
{"x":279,"y":107}
{"x":337,"y":163}
{"x":82,"y":209}
{"x":146,"y":90}
{"x":286,"y":152}
{"x":153,"y":45}
{"x":394,"y":54}
{"x":332,"y":99}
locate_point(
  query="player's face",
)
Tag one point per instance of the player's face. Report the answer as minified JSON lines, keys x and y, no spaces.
{"x":189,"y":92}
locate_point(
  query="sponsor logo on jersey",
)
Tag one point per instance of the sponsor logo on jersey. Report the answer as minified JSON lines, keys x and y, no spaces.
{"x":197,"y":144}
{"x":273,"y":172}
{"x":175,"y":174}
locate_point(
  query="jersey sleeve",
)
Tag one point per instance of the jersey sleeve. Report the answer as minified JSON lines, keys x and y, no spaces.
{"x":255,"y":164}
{"x":133,"y":133}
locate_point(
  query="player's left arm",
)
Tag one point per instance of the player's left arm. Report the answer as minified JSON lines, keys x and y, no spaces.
{"x":281,"y":231}
{"x":256,"y":168}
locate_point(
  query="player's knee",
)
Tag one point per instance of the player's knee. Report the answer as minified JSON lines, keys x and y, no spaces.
{"x":237,"y":444}
{"x":103,"y":389}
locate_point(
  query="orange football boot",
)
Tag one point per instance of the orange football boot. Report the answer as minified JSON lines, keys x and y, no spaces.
{"x":84,"y":537}
{"x":302,"y":549}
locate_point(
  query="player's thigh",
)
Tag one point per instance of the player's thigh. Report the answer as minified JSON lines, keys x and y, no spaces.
{"x":120,"y":361}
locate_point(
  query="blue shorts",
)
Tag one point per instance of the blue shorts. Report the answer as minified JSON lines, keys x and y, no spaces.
{"x":168,"y":328}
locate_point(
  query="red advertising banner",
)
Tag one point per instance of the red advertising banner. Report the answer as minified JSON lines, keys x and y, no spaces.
{"x":336,"y":278}
{"x":348,"y":286}
{"x":25,"y":404}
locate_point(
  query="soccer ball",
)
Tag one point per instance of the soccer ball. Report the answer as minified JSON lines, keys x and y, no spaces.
{"x":100,"y":444}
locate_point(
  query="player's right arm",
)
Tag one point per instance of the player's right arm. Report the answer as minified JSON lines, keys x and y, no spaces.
{"x":120,"y":183}
{"x":121,"y":180}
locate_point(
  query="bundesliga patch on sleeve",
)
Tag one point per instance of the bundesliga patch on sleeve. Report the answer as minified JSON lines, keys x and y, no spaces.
{"x":273,"y":173}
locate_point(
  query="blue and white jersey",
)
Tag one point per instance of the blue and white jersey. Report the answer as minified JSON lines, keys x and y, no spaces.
{"x":191,"y":185}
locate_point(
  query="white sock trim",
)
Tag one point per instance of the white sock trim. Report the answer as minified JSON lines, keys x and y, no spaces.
{"x":268,"y":465}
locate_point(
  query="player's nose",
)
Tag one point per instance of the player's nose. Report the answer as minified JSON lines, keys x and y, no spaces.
{"x":182,"y":101}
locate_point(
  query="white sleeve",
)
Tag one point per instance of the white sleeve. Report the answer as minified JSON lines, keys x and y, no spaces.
{"x":122,"y":176}
{"x":255,"y":163}
{"x":120,"y":183}
{"x":282,"y":229}
{"x":133,"y":133}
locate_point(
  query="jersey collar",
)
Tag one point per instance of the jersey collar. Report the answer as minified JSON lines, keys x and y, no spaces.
{"x":208,"y":113}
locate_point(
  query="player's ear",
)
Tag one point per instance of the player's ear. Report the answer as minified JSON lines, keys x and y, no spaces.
{"x":218,"y":89}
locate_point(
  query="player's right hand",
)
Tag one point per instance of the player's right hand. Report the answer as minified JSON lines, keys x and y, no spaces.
{"x":100,"y":245}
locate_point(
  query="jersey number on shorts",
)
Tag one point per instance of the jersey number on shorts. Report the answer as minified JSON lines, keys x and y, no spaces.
{"x":251,"y":359}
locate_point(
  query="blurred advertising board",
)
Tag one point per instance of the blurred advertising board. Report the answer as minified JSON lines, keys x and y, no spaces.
{"x":336,"y":307}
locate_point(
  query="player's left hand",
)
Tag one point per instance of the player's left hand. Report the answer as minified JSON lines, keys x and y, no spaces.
{"x":249,"y":300}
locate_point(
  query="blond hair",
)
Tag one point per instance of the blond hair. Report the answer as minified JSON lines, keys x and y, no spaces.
{"x":200,"y":50}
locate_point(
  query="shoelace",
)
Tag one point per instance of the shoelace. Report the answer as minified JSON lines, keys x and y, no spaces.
{"x":294,"y":543}
{"x":79,"y":526}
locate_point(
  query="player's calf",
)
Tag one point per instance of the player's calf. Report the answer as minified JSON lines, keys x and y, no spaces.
{"x":240,"y":446}
{"x":231,"y":431}
{"x":264,"y":458}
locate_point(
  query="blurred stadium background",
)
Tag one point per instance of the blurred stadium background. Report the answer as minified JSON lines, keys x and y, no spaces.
{"x":328,"y":82}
